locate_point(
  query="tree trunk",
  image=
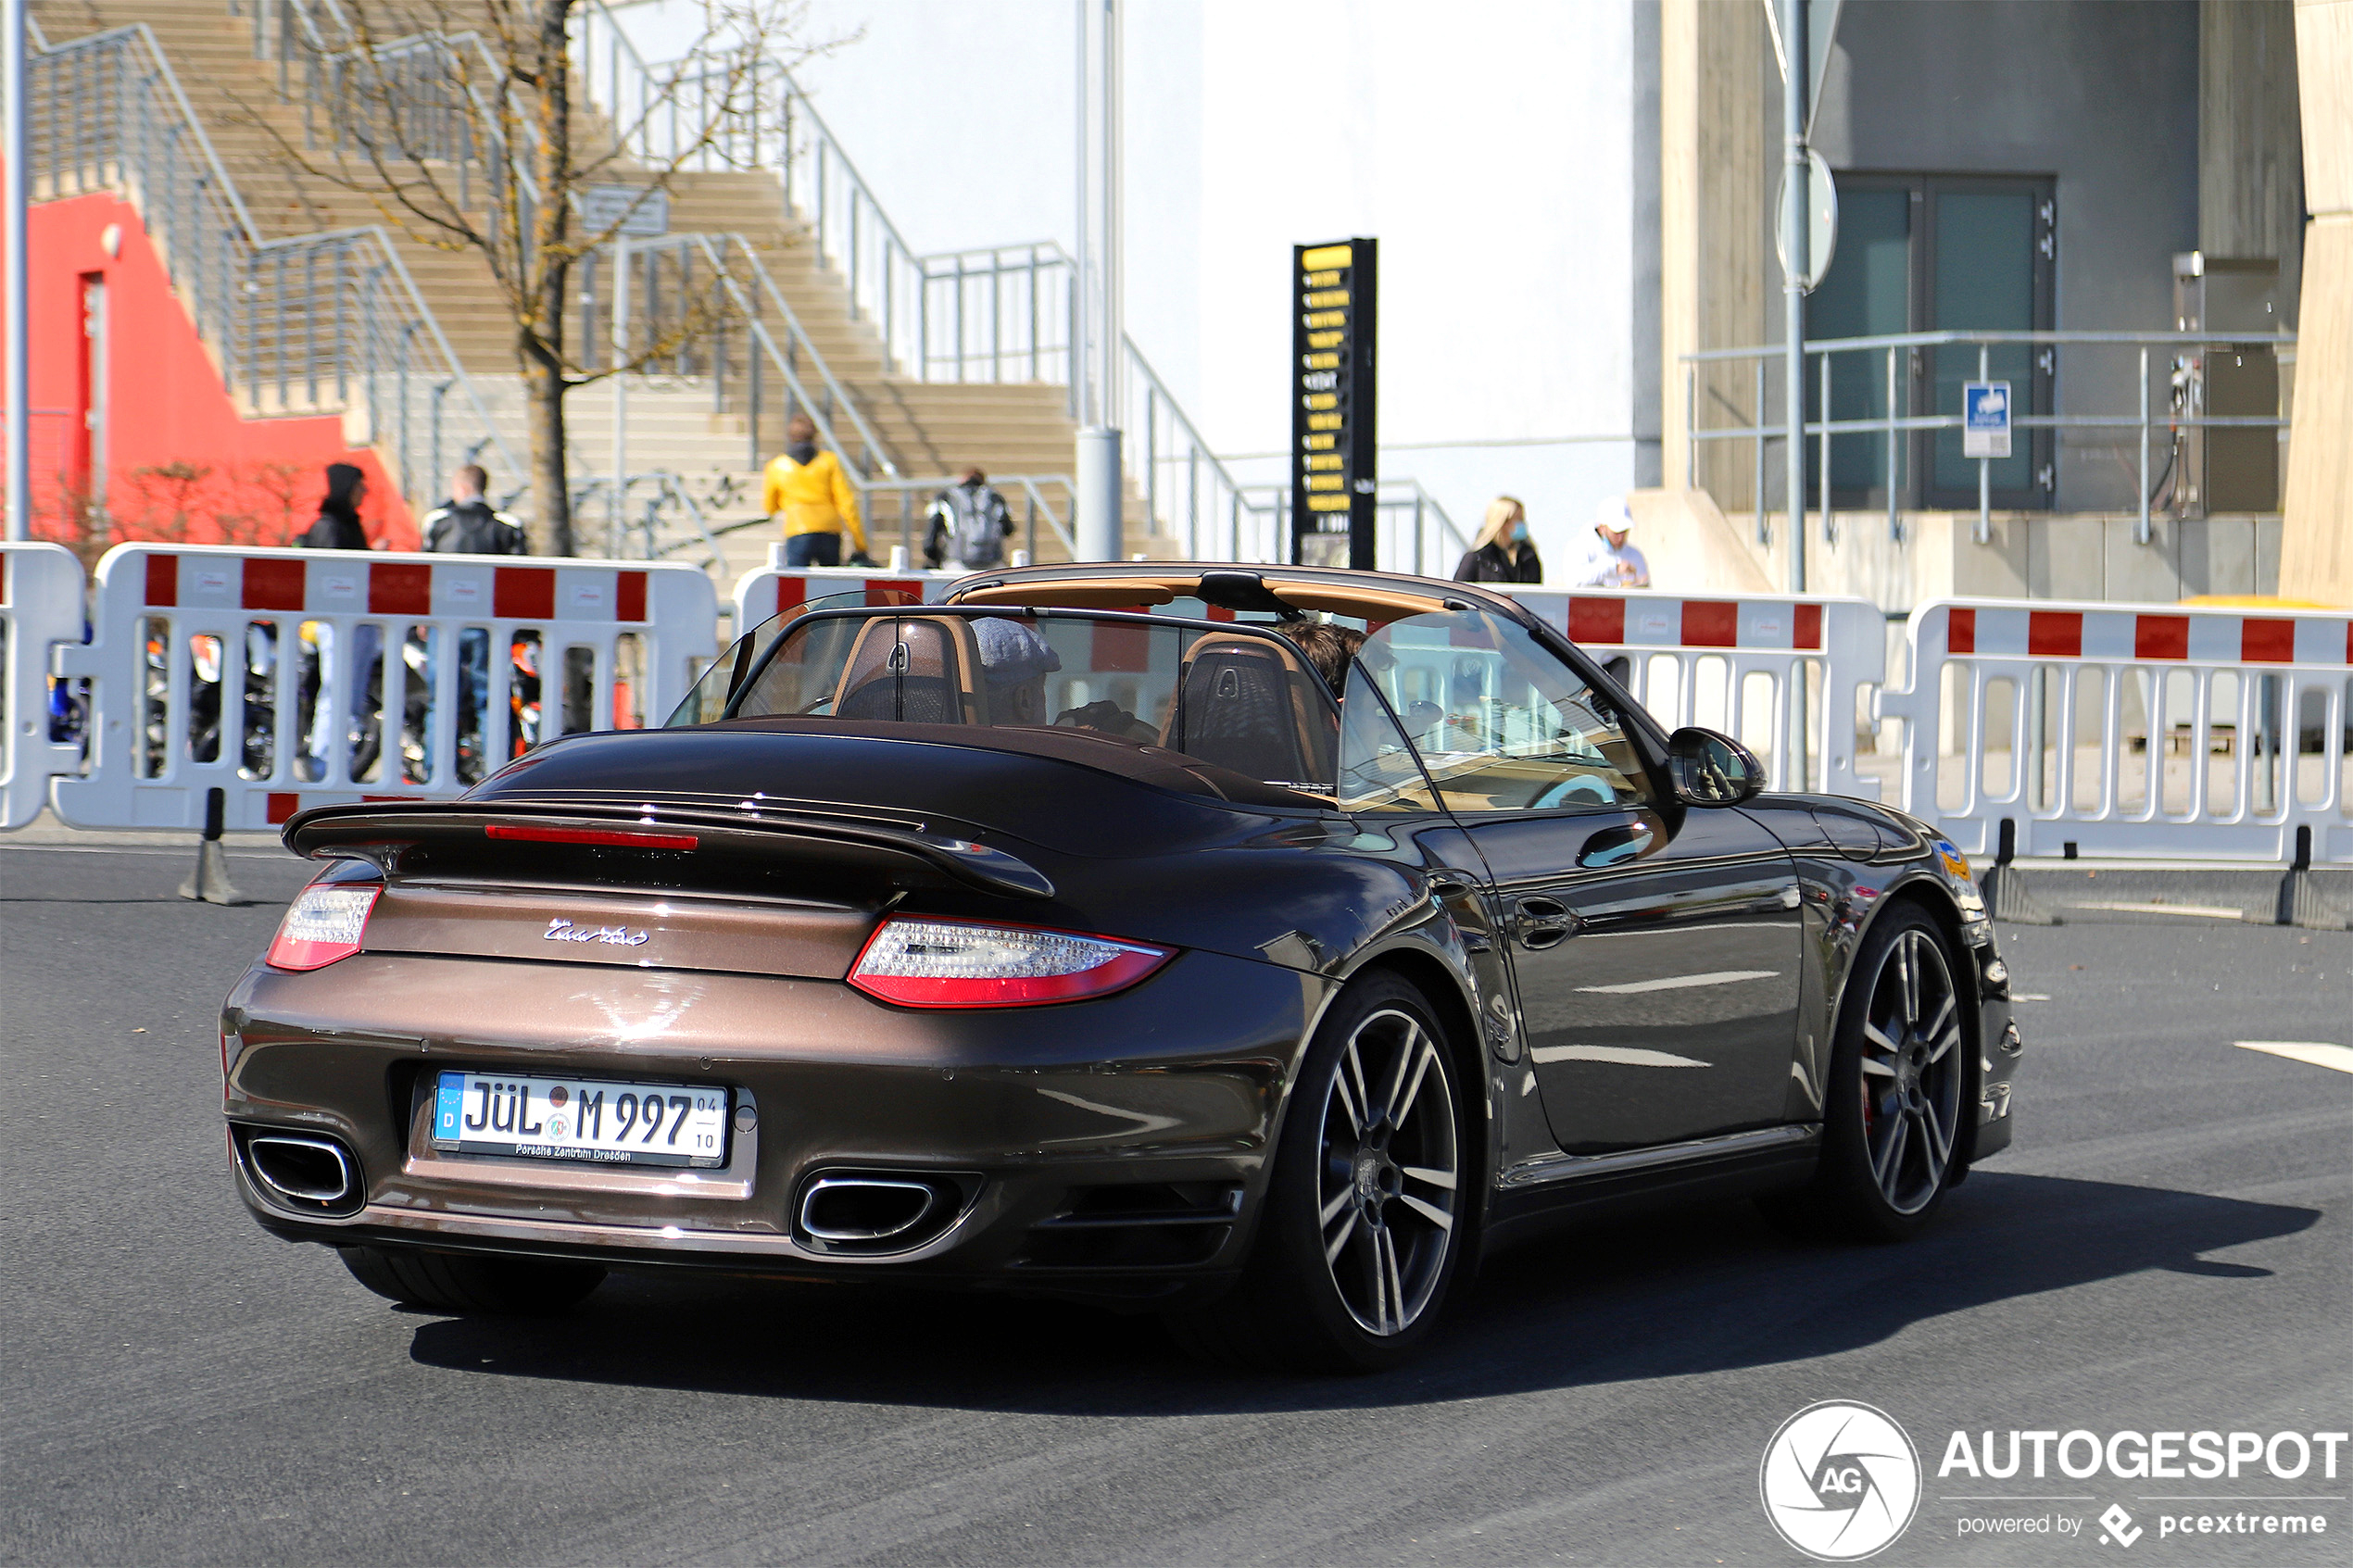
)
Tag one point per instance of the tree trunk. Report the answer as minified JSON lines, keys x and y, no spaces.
{"x":543,"y":273}
{"x":543,"y":381}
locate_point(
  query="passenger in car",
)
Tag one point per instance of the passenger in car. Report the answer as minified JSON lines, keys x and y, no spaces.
{"x":1328,"y":648}
{"x":1015,"y":662}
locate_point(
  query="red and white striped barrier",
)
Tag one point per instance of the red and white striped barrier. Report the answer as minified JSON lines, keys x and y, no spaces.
{"x":2099,"y":729}
{"x":1740,"y":666}
{"x":772,"y":590}
{"x":41,"y":589}
{"x":287,"y":679}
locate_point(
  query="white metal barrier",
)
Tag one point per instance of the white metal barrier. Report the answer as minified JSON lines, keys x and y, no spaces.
{"x":2101,"y":729}
{"x":41,"y":589}
{"x":1762,"y":668}
{"x":286,"y":679}
{"x":290,"y":678}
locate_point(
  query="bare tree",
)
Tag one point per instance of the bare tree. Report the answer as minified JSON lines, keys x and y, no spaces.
{"x":464,"y":122}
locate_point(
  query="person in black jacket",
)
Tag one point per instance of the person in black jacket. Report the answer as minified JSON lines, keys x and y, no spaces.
{"x":1503,"y":552}
{"x":338,"y":525}
{"x":465,"y":524}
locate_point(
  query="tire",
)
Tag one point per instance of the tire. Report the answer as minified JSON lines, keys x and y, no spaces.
{"x":1372,"y":1138}
{"x":468,"y":1283}
{"x":1899,"y":1084}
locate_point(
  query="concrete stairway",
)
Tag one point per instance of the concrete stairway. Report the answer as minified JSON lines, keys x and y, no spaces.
{"x":926,"y":428}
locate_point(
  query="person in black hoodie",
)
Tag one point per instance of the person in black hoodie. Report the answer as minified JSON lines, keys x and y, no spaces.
{"x":338,"y":525}
{"x":1503,"y":552}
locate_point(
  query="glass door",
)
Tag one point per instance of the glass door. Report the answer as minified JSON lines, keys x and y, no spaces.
{"x":1920,"y":253}
{"x":1867,"y":293}
{"x":1986,"y":261}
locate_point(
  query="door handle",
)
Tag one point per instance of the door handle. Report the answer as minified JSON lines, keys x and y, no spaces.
{"x":1541,"y":922}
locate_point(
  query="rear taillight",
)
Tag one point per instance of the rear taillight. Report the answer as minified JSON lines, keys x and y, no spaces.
{"x":322,"y":925}
{"x":938,"y":964}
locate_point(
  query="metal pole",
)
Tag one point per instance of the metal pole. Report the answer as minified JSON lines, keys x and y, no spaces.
{"x":1081,"y":410}
{"x":12,"y":148}
{"x":1763,"y":530}
{"x":2141,"y":529}
{"x":1097,"y":532}
{"x":1691,"y":427}
{"x":1984,"y":465}
{"x":1114,"y":214}
{"x":1794,"y":272}
{"x":619,"y":482}
{"x":1894,"y":522}
{"x":1830,"y":534}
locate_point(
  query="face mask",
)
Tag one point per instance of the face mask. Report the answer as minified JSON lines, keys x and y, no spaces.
{"x":1519,"y":533}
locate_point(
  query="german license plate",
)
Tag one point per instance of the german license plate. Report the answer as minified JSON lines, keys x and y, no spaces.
{"x":594,"y":1121}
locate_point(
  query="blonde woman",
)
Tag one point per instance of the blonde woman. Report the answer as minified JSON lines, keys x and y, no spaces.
{"x":1503,"y":552}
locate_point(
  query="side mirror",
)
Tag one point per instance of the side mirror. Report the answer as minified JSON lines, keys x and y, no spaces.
{"x":1711,"y":770}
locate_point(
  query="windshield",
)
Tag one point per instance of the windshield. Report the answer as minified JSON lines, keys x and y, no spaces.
{"x":1231,"y":696}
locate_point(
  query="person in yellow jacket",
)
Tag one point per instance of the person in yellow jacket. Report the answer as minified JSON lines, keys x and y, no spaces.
{"x":809,"y":494}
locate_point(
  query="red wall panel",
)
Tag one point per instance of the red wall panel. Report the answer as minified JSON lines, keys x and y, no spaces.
{"x":166,"y":403}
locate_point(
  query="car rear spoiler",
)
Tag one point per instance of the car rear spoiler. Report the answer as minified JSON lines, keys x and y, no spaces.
{"x":380,"y":833}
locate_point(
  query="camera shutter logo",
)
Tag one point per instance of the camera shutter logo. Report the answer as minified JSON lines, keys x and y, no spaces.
{"x":1839,"y":1480}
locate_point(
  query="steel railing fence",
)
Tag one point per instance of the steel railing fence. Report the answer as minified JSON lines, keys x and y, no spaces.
{"x":1413,"y":533}
{"x":716,"y":282}
{"x":317,"y":323}
{"x":988,"y":314}
{"x":1884,"y":363}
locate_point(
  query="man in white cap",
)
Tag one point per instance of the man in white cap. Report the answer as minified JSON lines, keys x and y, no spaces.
{"x":1610,"y":562}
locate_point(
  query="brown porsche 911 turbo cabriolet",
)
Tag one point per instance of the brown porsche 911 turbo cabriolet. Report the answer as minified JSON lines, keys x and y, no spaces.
{"x":1255,"y":947}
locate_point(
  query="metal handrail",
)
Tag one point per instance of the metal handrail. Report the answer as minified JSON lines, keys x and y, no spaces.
{"x":1894,"y":422}
{"x":891,"y":283}
{"x":775,"y":297}
{"x":1032,"y":487}
{"x":670,"y":491}
{"x":1936,"y":339}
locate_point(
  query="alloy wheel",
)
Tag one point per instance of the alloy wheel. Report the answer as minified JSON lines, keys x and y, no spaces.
{"x":1389,"y":1172}
{"x":1911,"y":1077}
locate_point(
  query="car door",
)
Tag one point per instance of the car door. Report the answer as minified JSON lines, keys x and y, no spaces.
{"x":1654,"y":947}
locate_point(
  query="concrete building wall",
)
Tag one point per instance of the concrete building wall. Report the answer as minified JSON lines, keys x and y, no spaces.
{"x":2104,"y":94}
{"x":1495,"y":156}
{"x":2317,"y":554}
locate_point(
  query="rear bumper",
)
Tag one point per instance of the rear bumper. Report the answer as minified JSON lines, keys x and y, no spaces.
{"x":1046,"y":1118}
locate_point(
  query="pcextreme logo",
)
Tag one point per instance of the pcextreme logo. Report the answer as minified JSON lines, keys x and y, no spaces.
{"x":1839,"y":1480}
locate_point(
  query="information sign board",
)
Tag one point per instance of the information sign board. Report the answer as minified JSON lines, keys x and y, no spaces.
{"x":1334,"y":454}
{"x":601,"y":207}
{"x":1985,"y":419}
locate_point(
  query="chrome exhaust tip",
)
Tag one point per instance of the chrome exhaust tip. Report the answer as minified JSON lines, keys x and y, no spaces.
{"x":309,"y":1173}
{"x":866,"y":1210}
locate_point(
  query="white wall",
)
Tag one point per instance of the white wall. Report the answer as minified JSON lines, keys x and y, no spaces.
{"x":1489,"y":149}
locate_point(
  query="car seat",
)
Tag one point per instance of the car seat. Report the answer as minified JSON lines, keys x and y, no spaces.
{"x":914,"y":670}
{"x":1241,"y":704}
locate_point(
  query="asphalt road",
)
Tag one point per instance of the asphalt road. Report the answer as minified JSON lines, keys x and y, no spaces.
{"x":2166,"y":1248}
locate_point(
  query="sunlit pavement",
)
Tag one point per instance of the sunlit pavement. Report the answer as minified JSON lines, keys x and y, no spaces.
{"x":2165,"y":1249}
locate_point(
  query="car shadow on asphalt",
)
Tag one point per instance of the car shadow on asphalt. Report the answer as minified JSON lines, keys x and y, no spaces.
{"x":1683,"y":1292}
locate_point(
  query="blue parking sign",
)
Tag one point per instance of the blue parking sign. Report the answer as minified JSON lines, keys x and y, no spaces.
{"x":1985,"y":419}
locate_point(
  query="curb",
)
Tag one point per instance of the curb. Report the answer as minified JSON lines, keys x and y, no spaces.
{"x":2077,"y":892}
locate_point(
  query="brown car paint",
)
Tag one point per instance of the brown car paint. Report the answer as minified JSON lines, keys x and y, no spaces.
{"x":737,"y":982}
